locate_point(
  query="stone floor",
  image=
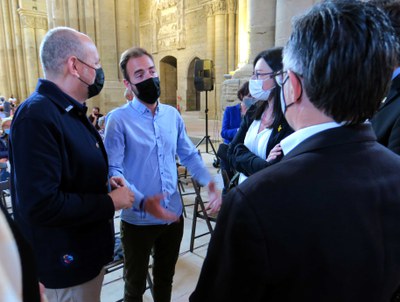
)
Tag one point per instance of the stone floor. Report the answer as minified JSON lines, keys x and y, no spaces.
{"x":189,"y":264}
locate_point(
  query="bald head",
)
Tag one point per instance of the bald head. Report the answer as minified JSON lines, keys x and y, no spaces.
{"x":57,"y":46}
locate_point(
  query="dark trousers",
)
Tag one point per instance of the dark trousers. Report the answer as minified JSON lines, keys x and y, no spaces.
{"x":138,"y":242}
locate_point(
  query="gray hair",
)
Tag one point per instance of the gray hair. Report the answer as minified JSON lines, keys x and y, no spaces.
{"x":57,"y":46}
{"x":101,"y":121}
{"x":344,"y":52}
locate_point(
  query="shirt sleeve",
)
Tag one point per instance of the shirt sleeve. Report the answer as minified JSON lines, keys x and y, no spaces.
{"x":114,"y":143}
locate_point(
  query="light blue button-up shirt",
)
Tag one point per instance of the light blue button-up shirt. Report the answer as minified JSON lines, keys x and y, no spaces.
{"x":396,"y":72}
{"x":142,"y":148}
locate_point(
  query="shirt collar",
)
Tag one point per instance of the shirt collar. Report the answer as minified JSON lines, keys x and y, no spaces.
{"x":140,"y":107}
{"x":59,"y":97}
{"x":396,"y":72}
{"x":290,"y":142}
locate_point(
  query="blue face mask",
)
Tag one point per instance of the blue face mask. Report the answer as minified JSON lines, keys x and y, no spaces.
{"x":7,"y":131}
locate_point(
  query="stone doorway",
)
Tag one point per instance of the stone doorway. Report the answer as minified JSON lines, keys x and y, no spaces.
{"x":168,"y":80}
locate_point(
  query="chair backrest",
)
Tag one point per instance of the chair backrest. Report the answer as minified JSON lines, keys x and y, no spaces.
{"x":234,"y":181}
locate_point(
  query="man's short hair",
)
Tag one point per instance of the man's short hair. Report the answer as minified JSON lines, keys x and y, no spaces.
{"x":57,"y":46}
{"x":101,"y":121}
{"x":345,"y":53}
{"x":134,"y":52}
{"x":392,"y":10}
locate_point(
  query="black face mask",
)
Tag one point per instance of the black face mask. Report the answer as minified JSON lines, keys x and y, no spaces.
{"x":95,"y":88}
{"x":148,"y":91}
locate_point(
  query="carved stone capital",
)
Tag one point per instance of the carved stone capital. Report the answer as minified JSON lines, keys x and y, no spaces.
{"x":232,"y":6}
{"x":163,"y":4}
{"x":33,"y":19}
{"x":220,"y":7}
{"x":209,"y":8}
{"x":216,"y":7}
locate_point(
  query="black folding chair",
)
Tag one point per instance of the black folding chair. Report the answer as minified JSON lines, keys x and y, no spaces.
{"x":199,"y":212}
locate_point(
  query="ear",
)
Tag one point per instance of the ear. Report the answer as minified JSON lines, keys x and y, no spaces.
{"x":127,"y":84}
{"x":71,"y":66}
{"x":296,"y":87}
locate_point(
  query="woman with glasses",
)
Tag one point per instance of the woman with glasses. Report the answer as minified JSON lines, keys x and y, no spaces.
{"x":256,"y":144}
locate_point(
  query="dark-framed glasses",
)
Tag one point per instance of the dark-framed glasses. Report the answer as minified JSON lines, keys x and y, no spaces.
{"x":263,"y":75}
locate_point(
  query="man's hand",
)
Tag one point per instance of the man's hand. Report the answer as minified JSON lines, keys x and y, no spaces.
{"x":122,"y":198}
{"x":116,"y":182}
{"x":215,"y":200}
{"x":42,"y":290}
{"x":152,"y":206}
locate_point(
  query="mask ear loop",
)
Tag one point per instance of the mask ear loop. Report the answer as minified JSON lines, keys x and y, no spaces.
{"x":301,"y":85}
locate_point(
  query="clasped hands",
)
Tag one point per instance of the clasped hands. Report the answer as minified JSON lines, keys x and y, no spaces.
{"x":123,"y":198}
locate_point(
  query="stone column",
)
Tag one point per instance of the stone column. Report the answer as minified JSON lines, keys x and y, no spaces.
{"x":243,"y":39}
{"x":221,"y":53}
{"x":88,"y":22}
{"x":41,"y":30}
{"x":285,"y":10}
{"x":20,"y":78}
{"x":4,"y":49}
{"x":210,"y":54}
{"x":127,"y":23}
{"x":108,"y":17}
{"x":261,"y":26}
{"x":72,"y":14}
{"x":30,"y":21}
{"x":210,"y":31}
{"x":232,"y":35}
{"x":55,"y":11}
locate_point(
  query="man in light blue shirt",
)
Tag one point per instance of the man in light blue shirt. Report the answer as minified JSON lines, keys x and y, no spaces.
{"x":142,"y":139}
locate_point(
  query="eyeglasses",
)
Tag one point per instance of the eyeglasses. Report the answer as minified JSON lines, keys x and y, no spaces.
{"x":263,"y":75}
{"x":86,"y":63}
{"x":281,"y":77}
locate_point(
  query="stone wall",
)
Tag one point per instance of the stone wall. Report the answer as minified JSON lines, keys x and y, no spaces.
{"x":176,"y":32}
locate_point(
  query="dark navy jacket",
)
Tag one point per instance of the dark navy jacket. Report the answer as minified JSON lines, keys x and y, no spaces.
{"x":321,"y":225}
{"x":59,"y":187}
{"x":386,"y":122}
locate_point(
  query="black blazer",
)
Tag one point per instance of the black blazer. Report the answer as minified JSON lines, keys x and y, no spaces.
{"x":321,"y":225}
{"x":386,"y":122}
{"x":59,"y":174}
{"x":241,"y":158}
